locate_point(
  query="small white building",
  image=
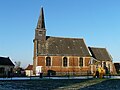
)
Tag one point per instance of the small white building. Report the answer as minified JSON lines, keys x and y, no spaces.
{"x":29,"y":70}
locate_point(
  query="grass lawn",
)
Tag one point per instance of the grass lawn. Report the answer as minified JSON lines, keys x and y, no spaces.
{"x":64,"y":84}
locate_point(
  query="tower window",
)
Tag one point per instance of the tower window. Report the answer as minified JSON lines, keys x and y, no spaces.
{"x":40,"y":32}
{"x":65,"y":62}
{"x":81,"y":62}
{"x":48,"y":61}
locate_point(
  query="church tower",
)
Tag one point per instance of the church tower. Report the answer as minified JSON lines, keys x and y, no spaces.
{"x":40,"y":38}
{"x":40,"y":35}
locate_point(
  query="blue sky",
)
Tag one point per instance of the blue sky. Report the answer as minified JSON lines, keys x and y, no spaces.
{"x":97,"y":21}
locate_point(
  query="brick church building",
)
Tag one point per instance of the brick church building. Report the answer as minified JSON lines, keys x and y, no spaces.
{"x":59,"y":55}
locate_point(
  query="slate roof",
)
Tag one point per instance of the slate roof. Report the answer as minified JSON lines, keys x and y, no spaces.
{"x":100,"y":53}
{"x":30,"y":67}
{"x":66,"y":46}
{"x":6,"y":61}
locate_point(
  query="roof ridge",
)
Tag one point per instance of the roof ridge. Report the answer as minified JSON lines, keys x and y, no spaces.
{"x":65,"y":37}
{"x":98,"y":47}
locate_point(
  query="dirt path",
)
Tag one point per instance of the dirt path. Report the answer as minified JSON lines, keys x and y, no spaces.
{"x":81,"y":85}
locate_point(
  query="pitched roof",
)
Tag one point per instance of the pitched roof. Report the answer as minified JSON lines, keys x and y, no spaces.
{"x":30,"y":67}
{"x":66,"y":46}
{"x":100,"y":53}
{"x":6,"y":61}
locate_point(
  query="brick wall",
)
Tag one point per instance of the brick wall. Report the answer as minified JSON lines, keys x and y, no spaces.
{"x":57,"y":61}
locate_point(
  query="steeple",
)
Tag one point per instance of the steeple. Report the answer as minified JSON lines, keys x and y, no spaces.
{"x":40,"y":31}
{"x":41,"y":22}
{"x":40,"y":35}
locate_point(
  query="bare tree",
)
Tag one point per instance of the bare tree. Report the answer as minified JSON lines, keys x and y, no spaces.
{"x":17,"y":64}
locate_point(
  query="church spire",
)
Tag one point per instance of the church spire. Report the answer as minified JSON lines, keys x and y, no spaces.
{"x":41,"y":22}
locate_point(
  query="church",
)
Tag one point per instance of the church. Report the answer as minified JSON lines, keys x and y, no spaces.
{"x":64,"y":56}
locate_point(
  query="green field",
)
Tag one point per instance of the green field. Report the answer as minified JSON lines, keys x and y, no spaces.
{"x":62,"y":84}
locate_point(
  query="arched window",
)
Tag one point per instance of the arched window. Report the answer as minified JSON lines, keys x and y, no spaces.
{"x":81,"y":62}
{"x":65,"y":61}
{"x":109,"y":67}
{"x":104,"y":64}
{"x":48,"y":61}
